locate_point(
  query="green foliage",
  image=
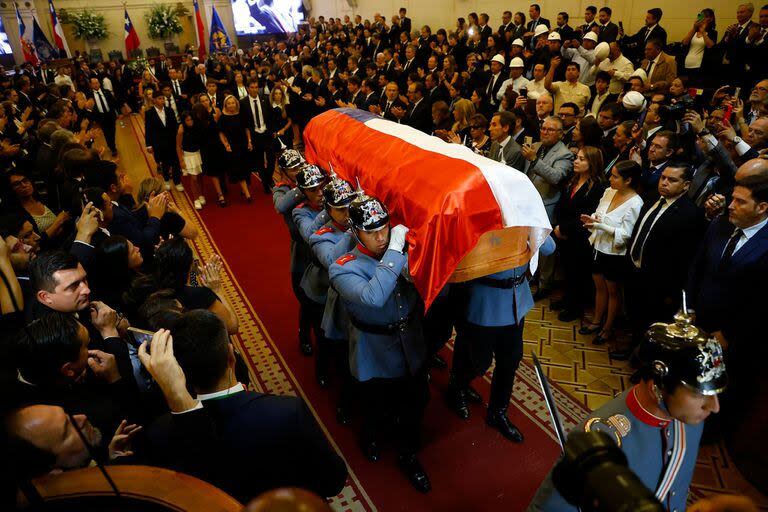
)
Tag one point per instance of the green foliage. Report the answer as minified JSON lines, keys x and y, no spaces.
{"x":87,"y":24}
{"x":163,"y":20}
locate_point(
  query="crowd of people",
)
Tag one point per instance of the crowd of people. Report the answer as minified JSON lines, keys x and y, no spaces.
{"x":652,"y":169}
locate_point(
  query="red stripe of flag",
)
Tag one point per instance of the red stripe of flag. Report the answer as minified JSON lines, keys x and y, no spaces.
{"x":200,"y":32}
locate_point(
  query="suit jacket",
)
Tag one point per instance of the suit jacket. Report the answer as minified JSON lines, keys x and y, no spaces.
{"x":569,"y":209}
{"x":512,"y":156}
{"x":663,"y":73}
{"x":161,"y":137}
{"x":128,"y":224}
{"x":669,"y":246}
{"x":405,"y":25}
{"x":419,"y":117}
{"x":193,"y":84}
{"x":220,"y":442}
{"x":728,"y":297}
{"x":608,"y":33}
{"x":548,"y":172}
{"x":386,"y":113}
{"x":634,"y":45}
{"x":111,"y":103}
{"x":246,"y":113}
{"x":533,"y":24}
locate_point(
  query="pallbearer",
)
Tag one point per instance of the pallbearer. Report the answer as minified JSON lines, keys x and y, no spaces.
{"x":329,"y":243}
{"x":308,"y":216}
{"x":386,"y":343}
{"x":496,"y":306}
{"x":286,"y":196}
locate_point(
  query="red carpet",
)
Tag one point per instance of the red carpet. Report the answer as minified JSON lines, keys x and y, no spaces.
{"x":471,"y":466}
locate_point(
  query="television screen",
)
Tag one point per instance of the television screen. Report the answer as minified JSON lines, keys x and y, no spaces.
{"x":5,"y":47}
{"x":260,"y":17}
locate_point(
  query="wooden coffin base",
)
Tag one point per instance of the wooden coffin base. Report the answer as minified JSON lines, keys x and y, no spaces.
{"x":495,"y":251}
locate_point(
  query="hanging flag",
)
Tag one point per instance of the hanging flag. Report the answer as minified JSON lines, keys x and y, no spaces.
{"x":45,"y":51}
{"x":27,"y":48}
{"x":58,"y":33}
{"x":200,"y":31}
{"x":219,"y":38}
{"x":131,"y":37}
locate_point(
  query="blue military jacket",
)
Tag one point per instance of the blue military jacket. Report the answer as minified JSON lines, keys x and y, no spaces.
{"x":491,"y":306}
{"x":665,"y":466}
{"x":328,"y":244}
{"x":373,"y":293}
{"x":307,"y":220}
{"x":285,"y":198}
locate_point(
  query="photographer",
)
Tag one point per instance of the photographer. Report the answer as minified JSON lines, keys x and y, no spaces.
{"x":659,"y":421}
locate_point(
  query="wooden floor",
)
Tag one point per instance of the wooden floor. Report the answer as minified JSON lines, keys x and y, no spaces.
{"x":583,"y":370}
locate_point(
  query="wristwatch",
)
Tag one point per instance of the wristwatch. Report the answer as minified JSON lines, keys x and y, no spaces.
{"x":736,"y":140}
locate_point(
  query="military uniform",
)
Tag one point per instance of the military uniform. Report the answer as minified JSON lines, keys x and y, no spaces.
{"x":660,"y":450}
{"x":662,"y":453}
{"x":493,"y":326}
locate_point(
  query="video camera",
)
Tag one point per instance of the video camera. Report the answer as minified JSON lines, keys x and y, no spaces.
{"x":593,"y":474}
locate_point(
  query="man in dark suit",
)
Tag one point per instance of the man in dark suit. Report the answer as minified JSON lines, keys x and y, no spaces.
{"x":105,"y":111}
{"x":219,"y":435}
{"x":504,"y":149}
{"x":608,"y":30}
{"x":506,"y":23}
{"x":660,"y":251}
{"x":195,"y":82}
{"x":563,"y":28}
{"x":410,"y":65}
{"x":390,"y":100}
{"x":661,"y":147}
{"x":254,"y":110}
{"x":726,"y":288}
{"x":44,"y":75}
{"x":405,"y":22}
{"x":535,"y":12}
{"x":633,"y":46}
{"x":495,"y":79}
{"x":419,"y":114}
{"x":368,"y":92}
{"x":735,"y":42}
{"x":589,"y":19}
{"x":485,"y":28}
{"x":161,"y":126}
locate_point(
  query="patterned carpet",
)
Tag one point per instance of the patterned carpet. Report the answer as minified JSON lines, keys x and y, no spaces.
{"x":583,"y":376}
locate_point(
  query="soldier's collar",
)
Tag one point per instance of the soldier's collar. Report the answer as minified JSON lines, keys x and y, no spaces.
{"x":641,"y":413}
{"x":363,"y":249}
{"x":340,"y":227}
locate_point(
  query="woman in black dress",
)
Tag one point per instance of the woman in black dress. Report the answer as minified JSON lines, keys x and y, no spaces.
{"x":206,"y":117}
{"x":581,"y":197}
{"x":282,"y":126}
{"x":236,"y":139}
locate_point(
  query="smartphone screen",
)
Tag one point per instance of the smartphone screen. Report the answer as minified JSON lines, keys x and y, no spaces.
{"x":140,"y":336}
{"x":528,"y":140}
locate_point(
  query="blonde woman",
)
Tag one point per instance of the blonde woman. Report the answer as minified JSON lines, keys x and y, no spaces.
{"x":236,"y":139}
{"x":172,"y":222}
{"x":463,"y":110}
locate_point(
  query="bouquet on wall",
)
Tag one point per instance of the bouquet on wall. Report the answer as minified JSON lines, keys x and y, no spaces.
{"x":87,"y":24}
{"x":138,"y":65}
{"x":163,"y":20}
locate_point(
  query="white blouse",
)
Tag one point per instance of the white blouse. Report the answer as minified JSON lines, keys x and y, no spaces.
{"x":622,"y":219}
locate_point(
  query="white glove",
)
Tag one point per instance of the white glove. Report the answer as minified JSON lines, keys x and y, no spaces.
{"x":397,"y":237}
{"x":604,"y":227}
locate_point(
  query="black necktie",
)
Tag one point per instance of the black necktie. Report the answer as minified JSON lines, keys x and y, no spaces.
{"x":256,"y":113}
{"x":637,"y":247}
{"x":102,"y":102}
{"x":731,"y":247}
{"x":176,"y":87}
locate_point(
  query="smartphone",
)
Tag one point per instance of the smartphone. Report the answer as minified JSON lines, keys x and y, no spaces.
{"x":140,"y":336}
{"x":621,"y":25}
{"x":528,"y":140}
{"x":700,"y":17}
{"x":737,"y":92}
{"x":641,"y":119}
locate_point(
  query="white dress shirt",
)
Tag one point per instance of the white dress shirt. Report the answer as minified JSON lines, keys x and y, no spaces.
{"x":748,"y":233}
{"x":258,"y":116}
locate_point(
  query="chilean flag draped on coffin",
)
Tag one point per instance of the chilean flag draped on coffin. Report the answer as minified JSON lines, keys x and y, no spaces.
{"x":445,"y":193}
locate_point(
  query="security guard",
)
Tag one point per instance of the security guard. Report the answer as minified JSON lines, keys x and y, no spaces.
{"x":496,"y":306}
{"x":658,"y":422}
{"x":285,"y":197}
{"x":386,"y":343}
{"x":308,"y":216}
{"x":327,"y":244}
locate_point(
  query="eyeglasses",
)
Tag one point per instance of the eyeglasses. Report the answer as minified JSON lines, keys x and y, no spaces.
{"x":545,"y":129}
{"x":23,"y":181}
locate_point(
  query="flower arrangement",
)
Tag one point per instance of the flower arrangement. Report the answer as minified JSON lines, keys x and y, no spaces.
{"x":88,"y":25}
{"x":163,"y":20}
{"x":138,"y":65}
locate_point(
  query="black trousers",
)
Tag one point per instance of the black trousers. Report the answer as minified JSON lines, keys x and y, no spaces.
{"x":324,"y":353}
{"x":578,"y":286}
{"x":647,"y":302}
{"x":395,"y":405}
{"x":438,"y":323}
{"x":107,"y":124}
{"x":264,"y":159}
{"x":168,"y":165}
{"x":305,"y":325}
{"x":476,"y":346}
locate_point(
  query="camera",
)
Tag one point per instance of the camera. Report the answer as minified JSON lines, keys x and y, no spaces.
{"x":676,"y":111}
{"x":593,"y":474}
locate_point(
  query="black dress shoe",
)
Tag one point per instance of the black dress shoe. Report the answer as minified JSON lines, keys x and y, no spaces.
{"x":342,"y":418}
{"x":415,"y":473}
{"x":569,"y":315}
{"x":498,"y":419}
{"x":473,"y":396}
{"x":622,"y":354}
{"x":437,"y":362}
{"x":557,"y":305}
{"x":371,"y":450}
{"x":305,"y":347}
{"x":457,"y":401}
{"x":601,"y":339}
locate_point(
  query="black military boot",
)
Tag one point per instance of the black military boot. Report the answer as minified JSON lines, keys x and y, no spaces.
{"x":457,"y":401}
{"x":497,"y":418}
{"x":413,"y":469}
